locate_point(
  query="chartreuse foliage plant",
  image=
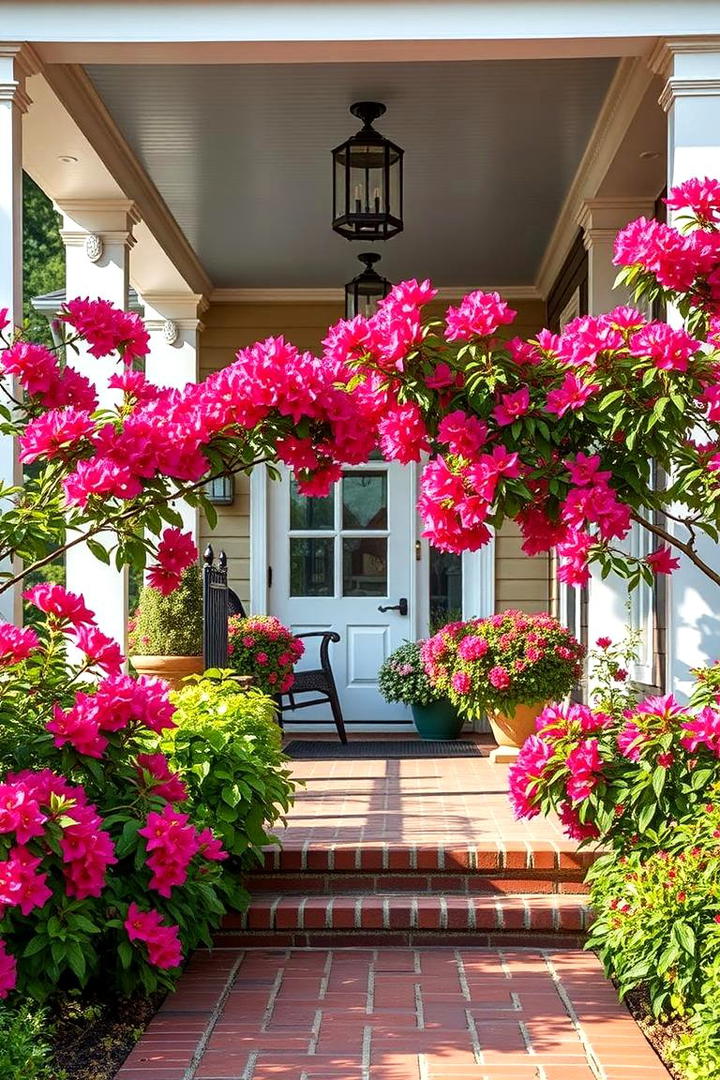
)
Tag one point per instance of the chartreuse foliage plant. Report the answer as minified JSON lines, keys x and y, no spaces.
{"x":227,"y":747}
{"x":171,"y":624}
{"x":502,"y":661}
{"x":403,"y":679}
{"x":25,"y":1052}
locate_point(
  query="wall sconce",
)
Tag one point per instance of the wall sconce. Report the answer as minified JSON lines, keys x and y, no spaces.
{"x":221,"y":490}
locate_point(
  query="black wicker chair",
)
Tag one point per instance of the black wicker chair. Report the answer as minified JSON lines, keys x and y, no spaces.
{"x":318,"y":681}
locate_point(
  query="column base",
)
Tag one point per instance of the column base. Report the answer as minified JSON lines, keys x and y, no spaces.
{"x":504,"y":755}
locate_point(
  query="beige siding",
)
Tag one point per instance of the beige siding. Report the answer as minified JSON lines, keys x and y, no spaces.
{"x":520,"y":581}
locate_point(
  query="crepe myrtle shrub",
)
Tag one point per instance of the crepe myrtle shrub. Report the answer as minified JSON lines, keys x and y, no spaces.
{"x":627,"y":779}
{"x":105,"y":869}
{"x":657,"y":916}
{"x":502,"y":661}
{"x":403,"y":679}
{"x":169,"y":624}
{"x":261,"y":647}
{"x":227,"y":746}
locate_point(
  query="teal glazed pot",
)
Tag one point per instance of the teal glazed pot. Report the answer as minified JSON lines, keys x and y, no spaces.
{"x":440,"y":720}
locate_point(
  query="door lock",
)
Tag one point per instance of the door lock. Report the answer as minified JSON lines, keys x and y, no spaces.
{"x":401,"y":606}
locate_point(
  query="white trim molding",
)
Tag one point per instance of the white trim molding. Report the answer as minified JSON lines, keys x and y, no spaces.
{"x":337,"y":295}
{"x":627,"y":90}
{"x":259,"y":509}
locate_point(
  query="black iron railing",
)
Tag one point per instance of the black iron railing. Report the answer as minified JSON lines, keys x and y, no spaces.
{"x":215,"y":609}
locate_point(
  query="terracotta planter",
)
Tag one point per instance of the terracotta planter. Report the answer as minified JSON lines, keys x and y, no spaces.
{"x":514,"y":729}
{"x":171,"y":668}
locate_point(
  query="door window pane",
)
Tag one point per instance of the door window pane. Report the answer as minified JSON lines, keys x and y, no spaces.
{"x":310,"y":513}
{"x":364,"y":497}
{"x":445,"y":588}
{"x":365,"y":566}
{"x":312,"y":570}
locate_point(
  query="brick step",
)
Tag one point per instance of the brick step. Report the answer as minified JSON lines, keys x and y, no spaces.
{"x":491,"y":858}
{"x":317,"y":883}
{"x":408,"y":919}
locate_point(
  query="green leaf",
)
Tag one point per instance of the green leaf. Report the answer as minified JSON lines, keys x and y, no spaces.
{"x":99,"y":551}
{"x":683,"y":933}
{"x":658,"y":780}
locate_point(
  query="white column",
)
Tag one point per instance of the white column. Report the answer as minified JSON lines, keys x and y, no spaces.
{"x":172,"y":320}
{"x":98,"y":237}
{"x":691,"y":98}
{"x":601,"y":220}
{"x":16,"y":62}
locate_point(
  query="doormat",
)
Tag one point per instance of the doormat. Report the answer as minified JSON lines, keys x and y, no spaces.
{"x":365,"y":749}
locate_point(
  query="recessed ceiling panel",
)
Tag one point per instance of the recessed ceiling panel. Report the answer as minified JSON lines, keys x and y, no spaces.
{"x":241,"y":154}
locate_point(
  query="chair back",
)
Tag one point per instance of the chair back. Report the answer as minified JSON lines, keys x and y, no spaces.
{"x":215,"y":610}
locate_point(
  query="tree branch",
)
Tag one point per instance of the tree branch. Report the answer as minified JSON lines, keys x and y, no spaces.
{"x":673,"y":541}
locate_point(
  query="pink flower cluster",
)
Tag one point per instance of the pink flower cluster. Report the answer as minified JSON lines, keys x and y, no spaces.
{"x":156,"y":776}
{"x":16,"y":644}
{"x":172,"y":841}
{"x":118,"y":703}
{"x":163,"y":942}
{"x":175,"y":553}
{"x":107,"y":329}
{"x":28,"y":802}
{"x":260,"y":646}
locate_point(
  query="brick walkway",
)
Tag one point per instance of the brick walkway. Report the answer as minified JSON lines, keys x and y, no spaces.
{"x":391,"y":875}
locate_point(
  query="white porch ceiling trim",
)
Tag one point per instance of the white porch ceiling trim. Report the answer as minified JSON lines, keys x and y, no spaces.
{"x":337,"y":295}
{"x":629,"y":86}
{"x":77,"y":94}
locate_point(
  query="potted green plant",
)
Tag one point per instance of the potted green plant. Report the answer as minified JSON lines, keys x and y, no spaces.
{"x":402,"y":678}
{"x":166,"y":632}
{"x":263,"y":652}
{"x":508,"y":667}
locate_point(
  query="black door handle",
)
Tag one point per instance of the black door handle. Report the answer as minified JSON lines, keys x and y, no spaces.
{"x":401,"y":606}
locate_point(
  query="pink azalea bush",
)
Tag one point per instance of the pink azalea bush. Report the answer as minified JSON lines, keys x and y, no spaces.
{"x":627,"y":776}
{"x":262,"y":647}
{"x":502,"y":661}
{"x":104,"y":866}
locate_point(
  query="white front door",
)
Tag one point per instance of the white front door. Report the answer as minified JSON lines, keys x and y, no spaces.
{"x":333,"y":563}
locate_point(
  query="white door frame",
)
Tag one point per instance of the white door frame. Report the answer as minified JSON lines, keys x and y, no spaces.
{"x":478,"y":586}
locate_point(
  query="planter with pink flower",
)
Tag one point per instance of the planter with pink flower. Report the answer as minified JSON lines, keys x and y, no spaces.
{"x":261,"y":648}
{"x":506,"y":667}
{"x":166,"y":631}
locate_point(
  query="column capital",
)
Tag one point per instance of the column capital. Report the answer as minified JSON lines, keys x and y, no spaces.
{"x":98,"y":223}
{"x":173,"y":314}
{"x":690,"y":67}
{"x":600,"y":219}
{"x":18,"y":61}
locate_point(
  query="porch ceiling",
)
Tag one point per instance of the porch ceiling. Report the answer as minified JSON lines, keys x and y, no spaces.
{"x":241,"y":156}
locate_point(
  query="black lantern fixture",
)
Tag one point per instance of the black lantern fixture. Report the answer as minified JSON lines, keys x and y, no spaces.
{"x":367,"y":181}
{"x":364,"y":292}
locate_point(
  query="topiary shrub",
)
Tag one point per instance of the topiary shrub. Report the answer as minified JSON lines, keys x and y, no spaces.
{"x":227,"y":746}
{"x":170,"y":625}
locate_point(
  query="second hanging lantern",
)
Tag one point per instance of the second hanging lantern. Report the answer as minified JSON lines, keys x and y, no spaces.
{"x":367,"y":289}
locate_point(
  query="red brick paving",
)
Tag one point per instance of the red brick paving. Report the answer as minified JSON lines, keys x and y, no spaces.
{"x":393,"y":1014}
{"x":395,"y":851}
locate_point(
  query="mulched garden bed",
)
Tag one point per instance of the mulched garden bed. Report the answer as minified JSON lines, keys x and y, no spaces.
{"x":659,"y":1035}
{"x":92,"y":1038}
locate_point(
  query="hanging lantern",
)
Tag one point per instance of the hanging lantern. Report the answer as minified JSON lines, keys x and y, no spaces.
{"x":367,"y":181}
{"x":364,"y":292}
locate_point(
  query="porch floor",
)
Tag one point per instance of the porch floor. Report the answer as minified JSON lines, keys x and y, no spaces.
{"x":372,"y":1005}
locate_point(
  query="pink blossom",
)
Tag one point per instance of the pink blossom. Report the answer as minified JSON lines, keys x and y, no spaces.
{"x":63,"y":606}
{"x":58,"y":433}
{"x":122,"y":701}
{"x":464,"y":434}
{"x":154,"y":770}
{"x":572,"y":394}
{"x":20,"y":885}
{"x":472,"y":648}
{"x":403,"y":435}
{"x":461,"y":682}
{"x":586,"y":768}
{"x":16,"y":643}
{"x":107,"y":329}
{"x":444,"y":377}
{"x":525,"y":775}
{"x":574,"y":827}
{"x":661,"y":561}
{"x":585,"y":470}
{"x":703,"y":730}
{"x":479,"y":315}
{"x":8,"y":964}
{"x":603,"y":642}
{"x":175,"y":553}
{"x":512,"y":407}
{"x":171,"y":842}
{"x":101,"y":650}
{"x":499,"y":677}
{"x":702,"y":197}
{"x":630,"y":741}
{"x":573,"y":552}
{"x":668,"y":347}
{"x":78,"y":726}
{"x":20,"y":812}
{"x":210,"y":846}
{"x":34,"y":366}
{"x":163,"y":942}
